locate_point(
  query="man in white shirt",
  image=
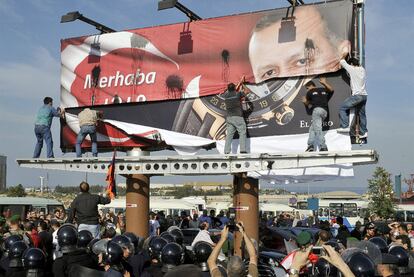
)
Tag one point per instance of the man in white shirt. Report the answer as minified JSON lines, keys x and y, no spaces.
{"x":154,"y":226}
{"x":203,"y":235}
{"x":357,"y":100}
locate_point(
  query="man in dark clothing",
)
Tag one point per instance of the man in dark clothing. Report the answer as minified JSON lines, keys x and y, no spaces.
{"x":234,"y":118}
{"x":46,"y":242}
{"x":317,"y":100}
{"x":85,"y":209}
{"x":62,"y":265}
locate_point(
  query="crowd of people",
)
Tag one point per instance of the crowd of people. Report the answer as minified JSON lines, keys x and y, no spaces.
{"x":85,"y":241}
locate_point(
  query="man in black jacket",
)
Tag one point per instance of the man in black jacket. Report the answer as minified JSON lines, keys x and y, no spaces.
{"x":85,"y":209}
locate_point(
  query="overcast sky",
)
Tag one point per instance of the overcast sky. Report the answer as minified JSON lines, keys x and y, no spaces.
{"x":30,"y":70}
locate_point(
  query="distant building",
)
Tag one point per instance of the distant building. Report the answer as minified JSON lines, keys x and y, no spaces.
{"x":3,"y":172}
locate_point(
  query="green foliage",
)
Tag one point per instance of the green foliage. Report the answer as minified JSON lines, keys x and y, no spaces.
{"x":17,"y":191}
{"x":381,"y":193}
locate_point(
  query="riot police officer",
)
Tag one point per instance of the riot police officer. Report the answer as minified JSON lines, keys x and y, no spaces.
{"x":359,"y":263}
{"x":138,"y":260}
{"x":172,"y":255}
{"x":16,"y":268}
{"x":34,"y":261}
{"x":112,"y":259}
{"x":155,"y":247}
{"x":5,"y":260}
{"x":67,"y":240}
{"x":202,"y":251}
{"x":84,"y":237}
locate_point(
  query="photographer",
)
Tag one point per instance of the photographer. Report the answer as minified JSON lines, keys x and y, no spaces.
{"x":235,"y":265}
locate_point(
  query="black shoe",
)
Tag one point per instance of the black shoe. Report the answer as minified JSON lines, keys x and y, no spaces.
{"x":323,"y":149}
{"x":310,"y":148}
{"x":243,"y":152}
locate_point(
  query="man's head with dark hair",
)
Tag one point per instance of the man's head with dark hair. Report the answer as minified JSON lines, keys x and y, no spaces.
{"x":324,"y":236}
{"x":353,"y":61}
{"x":231,"y":87}
{"x":43,"y":225}
{"x":47,"y":100}
{"x":84,"y":187}
{"x":404,"y":240}
{"x":403,"y":229}
{"x":310,"y":85}
{"x":340,"y":220}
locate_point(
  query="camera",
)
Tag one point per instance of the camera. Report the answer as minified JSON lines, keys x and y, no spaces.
{"x":318,"y":250}
{"x":232,"y":222}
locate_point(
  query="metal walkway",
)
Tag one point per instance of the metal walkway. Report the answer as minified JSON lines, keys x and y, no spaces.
{"x":203,"y":164}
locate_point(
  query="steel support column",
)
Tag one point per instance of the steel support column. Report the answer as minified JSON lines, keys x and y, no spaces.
{"x":246,"y":202}
{"x":137,"y":204}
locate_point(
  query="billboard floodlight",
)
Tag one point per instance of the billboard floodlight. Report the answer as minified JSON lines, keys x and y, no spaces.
{"x":72,"y":16}
{"x":168,"y":4}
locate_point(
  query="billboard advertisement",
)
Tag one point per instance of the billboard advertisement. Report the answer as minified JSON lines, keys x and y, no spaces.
{"x":199,"y":58}
{"x":161,"y":87}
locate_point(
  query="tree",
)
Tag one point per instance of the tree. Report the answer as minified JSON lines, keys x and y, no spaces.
{"x":380,"y":193}
{"x":17,"y":191}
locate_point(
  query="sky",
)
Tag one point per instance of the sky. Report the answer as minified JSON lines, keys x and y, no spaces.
{"x":30,"y":70}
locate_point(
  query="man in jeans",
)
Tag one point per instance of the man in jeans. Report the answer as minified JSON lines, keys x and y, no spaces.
{"x":88,"y":120}
{"x":42,"y":127}
{"x":317,"y":99}
{"x":234,"y":119}
{"x":357,"y":100}
{"x":85,"y":209}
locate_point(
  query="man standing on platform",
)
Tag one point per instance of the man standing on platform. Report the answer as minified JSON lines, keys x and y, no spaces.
{"x":234,"y":118}
{"x":317,"y":99}
{"x":42,"y":127}
{"x":88,"y":120}
{"x":85,"y":209}
{"x":357,"y":100}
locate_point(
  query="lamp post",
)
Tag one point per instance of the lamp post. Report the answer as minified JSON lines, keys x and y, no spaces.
{"x":72,"y":16}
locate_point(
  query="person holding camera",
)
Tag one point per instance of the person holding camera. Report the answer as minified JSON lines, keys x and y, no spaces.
{"x":88,"y":121}
{"x":235,"y":265}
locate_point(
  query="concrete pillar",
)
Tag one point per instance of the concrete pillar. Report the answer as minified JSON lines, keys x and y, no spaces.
{"x":137,"y":200}
{"x":137,"y":204}
{"x":246,"y":202}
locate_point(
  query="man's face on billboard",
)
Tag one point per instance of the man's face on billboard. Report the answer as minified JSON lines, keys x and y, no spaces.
{"x":312,"y":52}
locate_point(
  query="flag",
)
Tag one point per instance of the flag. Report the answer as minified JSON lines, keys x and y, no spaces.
{"x":110,"y":179}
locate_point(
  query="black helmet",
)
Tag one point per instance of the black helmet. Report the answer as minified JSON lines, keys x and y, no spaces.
{"x":380,"y":243}
{"x":167,"y":236}
{"x":67,"y":237}
{"x":324,"y":268}
{"x":34,"y":258}
{"x":133,"y":238}
{"x":155,"y":247}
{"x":124,"y":242}
{"x":90,"y":245}
{"x":359,"y":262}
{"x":172,"y":254}
{"x":202,"y":251}
{"x":335,"y":245}
{"x":17,"y":249}
{"x":177,"y":235}
{"x":84,"y":237}
{"x":113,"y":254}
{"x":401,"y":254}
{"x":10,"y":240}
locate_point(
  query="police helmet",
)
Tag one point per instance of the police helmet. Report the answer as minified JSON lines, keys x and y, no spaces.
{"x":34,"y":258}
{"x":401,"y":254}
{"x":133,"y":238}
{"x":113,"y":254}
{"x":124,"y":242}
{"x":202,"y":251}
{"x":67,"y":237}
{"x":359,"y":262}
{"x":84,"y":237}
{"x":324,"y":268}
{"x":334,"y":244}
{"x":100,"y":247}
{"x":90,"y":245}
{"x":17,"y":249}
{"x":10,"y":240}
{"x":155,"y":247}
{"x":172,"y":254}
{"x":167,"y":236}
{"x":177,"y":235}
{"x":380,"y":243}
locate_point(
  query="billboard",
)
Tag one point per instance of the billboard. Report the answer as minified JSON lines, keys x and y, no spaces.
{"x":195,"y":59}
{"x":161,"y":87}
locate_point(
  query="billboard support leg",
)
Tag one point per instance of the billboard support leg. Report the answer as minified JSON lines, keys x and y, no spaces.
{"x":246,"y":202}
{"x":137,"y":204}
{"x":137,"y":200}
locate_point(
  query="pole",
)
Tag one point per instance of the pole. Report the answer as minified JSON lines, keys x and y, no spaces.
{"x":246,"y":202}
{"x":41,"y":184}
{"x":137,"y":200}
